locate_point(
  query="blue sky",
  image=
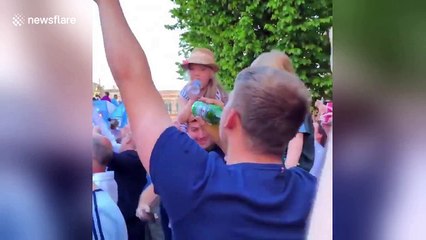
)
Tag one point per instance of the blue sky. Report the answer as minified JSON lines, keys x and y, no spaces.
{"x":147,"y":20}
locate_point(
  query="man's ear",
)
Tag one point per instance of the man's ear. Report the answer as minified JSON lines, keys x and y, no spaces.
{"x":232,"y":119}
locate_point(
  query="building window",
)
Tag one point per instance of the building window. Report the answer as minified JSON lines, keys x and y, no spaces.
{"x":168,"y":106}
{"x":177,"y":107}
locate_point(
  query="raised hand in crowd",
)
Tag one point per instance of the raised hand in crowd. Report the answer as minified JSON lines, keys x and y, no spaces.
{"x":186,"y":112}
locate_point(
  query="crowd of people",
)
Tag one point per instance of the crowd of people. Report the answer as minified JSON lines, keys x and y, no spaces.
{"x":253,"y":176}
{"x":106,"y":97}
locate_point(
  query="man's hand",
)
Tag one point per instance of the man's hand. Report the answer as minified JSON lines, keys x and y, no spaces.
{"x":212,"y":101}
{"x":186,"y":112}
{"x":143,"y":212}
{"x":146,"y":199}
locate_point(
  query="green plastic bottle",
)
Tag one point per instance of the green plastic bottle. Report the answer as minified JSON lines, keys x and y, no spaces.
{"x":208,"y":112}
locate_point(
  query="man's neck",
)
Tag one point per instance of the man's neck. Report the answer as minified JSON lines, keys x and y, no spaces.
{"x":98,"y":169}
{"x":124,"y":148}
{"x":238,"y":155}
{"x":211,"y":147}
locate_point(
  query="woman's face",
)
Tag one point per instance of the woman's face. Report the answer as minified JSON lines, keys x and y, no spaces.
{"x":200,"y":72}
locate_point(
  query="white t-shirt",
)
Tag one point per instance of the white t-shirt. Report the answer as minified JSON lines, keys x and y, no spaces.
{"x":108,"y":221}
{"x":106,"y":182}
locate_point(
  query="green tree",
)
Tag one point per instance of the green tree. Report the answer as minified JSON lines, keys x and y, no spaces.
{"x":239,"y":30}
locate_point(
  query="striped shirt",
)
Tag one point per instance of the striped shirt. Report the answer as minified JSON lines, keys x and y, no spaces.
{"x":184,"y":93}
{"x":107,"y":221}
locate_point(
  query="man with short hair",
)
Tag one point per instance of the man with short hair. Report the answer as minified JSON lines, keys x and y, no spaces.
{"x":107,"y":219}
{"x":252,"y":195}
{"x":300,"y":150}
{"x":101,"y":157}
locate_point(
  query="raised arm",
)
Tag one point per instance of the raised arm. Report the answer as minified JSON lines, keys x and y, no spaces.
{"x":129,"y":66}
{"x":184,"y":110}
{"x":294,"y":151}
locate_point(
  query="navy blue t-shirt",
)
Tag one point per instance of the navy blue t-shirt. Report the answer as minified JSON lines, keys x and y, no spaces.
{"x":130,"y":176}
{"x":207,"y":199}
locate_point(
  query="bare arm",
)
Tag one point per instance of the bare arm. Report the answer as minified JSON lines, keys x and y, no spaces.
{"x":129,"y":66}
{"x":294,"y":150}
{"x":147,"y":200}
{"x":148,"y":196}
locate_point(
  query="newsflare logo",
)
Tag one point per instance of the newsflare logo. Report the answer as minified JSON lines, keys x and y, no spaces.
{"x":19,"y":20}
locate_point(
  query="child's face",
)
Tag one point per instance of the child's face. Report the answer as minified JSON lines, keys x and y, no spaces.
{"x":200,"y":72}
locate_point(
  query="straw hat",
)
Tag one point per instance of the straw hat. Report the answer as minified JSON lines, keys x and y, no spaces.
{"x":201,"y":56}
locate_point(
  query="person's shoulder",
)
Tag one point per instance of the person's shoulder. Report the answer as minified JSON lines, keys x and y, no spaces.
{"x":303,"y":183}
{"x":128,"y":160}
{"x":169,"y":132}
{"x":103,"y":176}
{"x":217,"y":156}
{"x":127,"y":154}
{"x":170,"y":141}
{"x":302,"y":175}
{"x":217,"y":150}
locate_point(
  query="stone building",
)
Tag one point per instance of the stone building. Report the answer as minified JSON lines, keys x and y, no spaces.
{"x":170,"y":98}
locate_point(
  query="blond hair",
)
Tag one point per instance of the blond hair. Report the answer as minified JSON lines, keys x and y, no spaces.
{"x":213,"y":87}
{"x":276,"y":59}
